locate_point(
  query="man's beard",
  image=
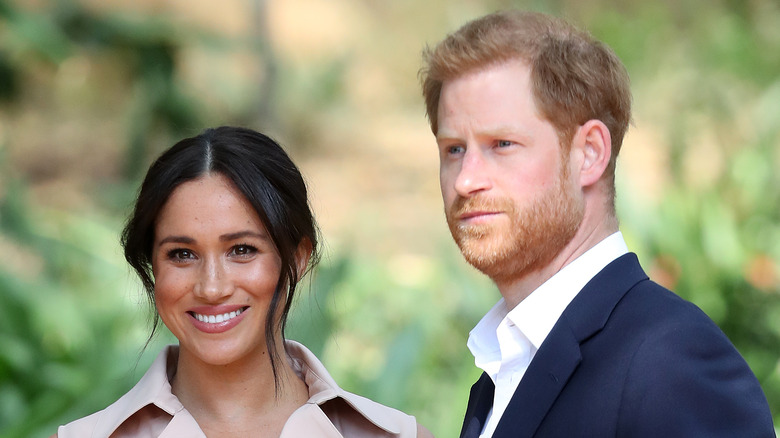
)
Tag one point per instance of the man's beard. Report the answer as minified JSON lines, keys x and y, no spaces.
{"x":535,"y":234}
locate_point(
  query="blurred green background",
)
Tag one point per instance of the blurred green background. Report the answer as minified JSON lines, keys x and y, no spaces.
{"x":91,"y":91}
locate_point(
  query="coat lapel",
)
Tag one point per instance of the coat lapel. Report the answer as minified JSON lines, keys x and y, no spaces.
{"x":560,"y":355}
{"x":543,"y":381}
{"x":480,"y":402}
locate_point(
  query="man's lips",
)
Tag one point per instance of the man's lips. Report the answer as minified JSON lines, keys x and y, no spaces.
{"x":477,"y":215}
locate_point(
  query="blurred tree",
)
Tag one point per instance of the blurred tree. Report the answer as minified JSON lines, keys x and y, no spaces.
{"x":706,"y":83}
{"x":149,"y":49}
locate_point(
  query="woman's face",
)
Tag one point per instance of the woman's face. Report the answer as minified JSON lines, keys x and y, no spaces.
{"x":215,"y":269}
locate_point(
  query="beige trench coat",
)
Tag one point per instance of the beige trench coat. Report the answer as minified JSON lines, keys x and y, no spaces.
{"x":151,"y":410}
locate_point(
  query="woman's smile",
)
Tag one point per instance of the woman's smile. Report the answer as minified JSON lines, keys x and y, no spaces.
{"x":217,"y":319}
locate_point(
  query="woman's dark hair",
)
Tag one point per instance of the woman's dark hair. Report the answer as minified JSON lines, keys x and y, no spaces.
{"x":263,"y":172}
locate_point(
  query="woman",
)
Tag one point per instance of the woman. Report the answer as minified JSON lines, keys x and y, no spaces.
{"x":221,"y":235}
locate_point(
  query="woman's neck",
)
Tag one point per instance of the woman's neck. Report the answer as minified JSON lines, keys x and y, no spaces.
{"x":227,"y":400}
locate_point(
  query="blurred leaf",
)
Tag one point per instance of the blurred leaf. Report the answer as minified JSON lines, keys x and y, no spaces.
{"x":720,"y":237}
{"x":36,"y":33}
{"x":395,"y":328}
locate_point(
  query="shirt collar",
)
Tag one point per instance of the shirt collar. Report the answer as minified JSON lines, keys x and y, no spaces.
{"x":536,"y":315}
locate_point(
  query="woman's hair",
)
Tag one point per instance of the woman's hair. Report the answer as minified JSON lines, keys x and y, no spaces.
{"x":263,"y":172}
{"x":574,"y":78}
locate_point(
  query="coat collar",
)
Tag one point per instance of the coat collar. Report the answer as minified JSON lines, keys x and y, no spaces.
{"x":154,"y":388}
{"x":323,"y":388}
{"x":559,"y":356}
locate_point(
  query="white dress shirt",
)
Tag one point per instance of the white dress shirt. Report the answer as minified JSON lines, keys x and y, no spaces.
{"x":505,"y":341}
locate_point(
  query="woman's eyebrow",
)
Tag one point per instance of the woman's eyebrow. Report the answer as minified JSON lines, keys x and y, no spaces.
{"x":242,"y":234}
{"x":224,"y":238}
{"x":177,"y":239}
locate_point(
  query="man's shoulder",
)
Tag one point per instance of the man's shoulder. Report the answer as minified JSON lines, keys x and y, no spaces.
{"x":623,"y":298}
{"x":634,"y":292}
{"x":651,"y":318}
{"x":658,"y":303}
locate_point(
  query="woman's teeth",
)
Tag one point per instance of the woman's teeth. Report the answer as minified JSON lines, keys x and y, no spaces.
{"x":214,"y":319}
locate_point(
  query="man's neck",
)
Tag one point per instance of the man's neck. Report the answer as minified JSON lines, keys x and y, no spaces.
{"x":517,"y":289}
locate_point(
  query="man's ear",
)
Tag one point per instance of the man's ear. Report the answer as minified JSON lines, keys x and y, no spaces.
{"x":302,"y":255}
{"x":593,"y":141}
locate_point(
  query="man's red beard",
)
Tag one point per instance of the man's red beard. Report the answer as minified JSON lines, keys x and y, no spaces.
{"x":529,"y":241}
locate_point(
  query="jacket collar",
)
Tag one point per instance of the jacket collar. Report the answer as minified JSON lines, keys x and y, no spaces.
{"x":480,"y":402}
{"x":559,"y":356}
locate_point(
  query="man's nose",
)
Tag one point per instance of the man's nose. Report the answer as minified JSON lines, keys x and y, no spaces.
{"x":474,"y":174}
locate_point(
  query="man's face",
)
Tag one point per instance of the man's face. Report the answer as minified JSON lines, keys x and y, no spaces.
{"x":510,"y":201}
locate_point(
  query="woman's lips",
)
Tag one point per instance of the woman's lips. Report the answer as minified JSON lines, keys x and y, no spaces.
{"x":217,"y":319}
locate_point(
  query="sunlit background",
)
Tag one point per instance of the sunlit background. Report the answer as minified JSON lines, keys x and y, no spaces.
{"x":91,"y":91}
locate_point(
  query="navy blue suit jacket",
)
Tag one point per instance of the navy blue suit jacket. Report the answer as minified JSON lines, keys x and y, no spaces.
{"x":628,"y":358}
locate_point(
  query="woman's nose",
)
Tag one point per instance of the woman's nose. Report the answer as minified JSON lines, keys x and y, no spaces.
{"x":213,"y":284}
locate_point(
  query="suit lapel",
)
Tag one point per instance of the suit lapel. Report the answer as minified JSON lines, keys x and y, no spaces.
{"x":480,"y":402}
{"x":543,"y":381}
{"x":560,"y":355}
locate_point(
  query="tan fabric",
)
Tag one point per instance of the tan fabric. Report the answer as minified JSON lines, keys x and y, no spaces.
{"x":151,"y":410}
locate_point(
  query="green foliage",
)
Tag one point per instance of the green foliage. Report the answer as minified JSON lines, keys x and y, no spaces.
{"x":713,"y":239}
{"x":65,"y":342}
{"x":394,"y":327}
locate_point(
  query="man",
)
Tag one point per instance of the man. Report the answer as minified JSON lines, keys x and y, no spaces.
{"x":529,"y":115}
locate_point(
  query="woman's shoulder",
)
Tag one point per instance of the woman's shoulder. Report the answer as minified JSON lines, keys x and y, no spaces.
{"x":84,"y":426}
{"x":349,"y":413}
{"x":336,"y":419}
{"x":146,"y":402}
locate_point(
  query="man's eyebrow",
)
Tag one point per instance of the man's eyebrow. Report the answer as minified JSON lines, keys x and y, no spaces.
{"x":447,"y":139}
{"x":495,"y":131}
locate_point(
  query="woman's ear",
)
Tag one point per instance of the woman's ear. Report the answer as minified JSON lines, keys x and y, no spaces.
{"x":302,"y":255}
{"x":594,"y":142}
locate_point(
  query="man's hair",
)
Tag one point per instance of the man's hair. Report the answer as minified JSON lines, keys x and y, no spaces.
{"x":574,"y":78}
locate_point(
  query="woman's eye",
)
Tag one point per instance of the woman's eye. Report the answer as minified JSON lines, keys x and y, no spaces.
{"x":180,"y":254}
{"x":243,"y":250}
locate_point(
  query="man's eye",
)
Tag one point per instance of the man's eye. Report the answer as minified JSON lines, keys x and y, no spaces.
{"x":452,"y":150}
{"x":505,"y":143}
